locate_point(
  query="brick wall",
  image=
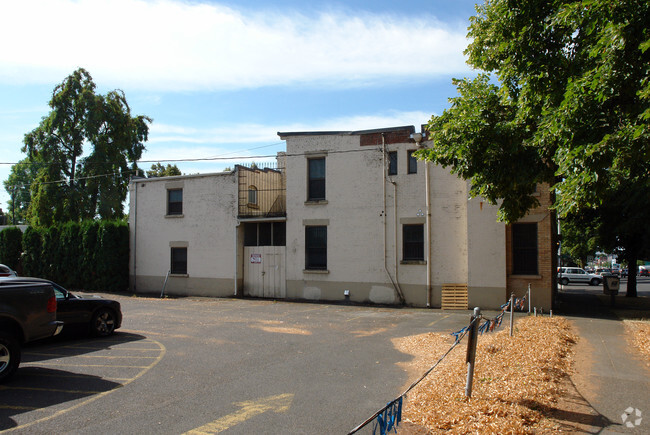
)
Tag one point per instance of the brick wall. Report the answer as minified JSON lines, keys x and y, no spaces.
{"x":543,"y":286}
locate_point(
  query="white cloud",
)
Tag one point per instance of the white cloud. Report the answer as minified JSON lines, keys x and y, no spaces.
{"x":171,"y":142}
{"x":175,"y":46}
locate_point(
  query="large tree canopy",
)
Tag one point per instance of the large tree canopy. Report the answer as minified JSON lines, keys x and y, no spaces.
{"x":68,"y":186}
{"x":569,"y":105}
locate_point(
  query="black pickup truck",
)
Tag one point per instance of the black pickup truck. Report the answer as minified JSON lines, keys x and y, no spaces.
{"x":27,"y":313}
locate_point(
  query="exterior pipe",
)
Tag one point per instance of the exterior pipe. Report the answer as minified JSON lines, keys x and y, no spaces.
{"x":135,"y":236}
{"x":427,"y":229}
{"x":385,"y":224}
{"x":235,"y":256}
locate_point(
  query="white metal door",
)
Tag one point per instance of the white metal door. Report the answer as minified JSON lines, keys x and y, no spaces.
{"x":264,"y":271}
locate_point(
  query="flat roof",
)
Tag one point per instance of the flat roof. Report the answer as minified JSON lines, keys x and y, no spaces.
{"x":408,"y":128}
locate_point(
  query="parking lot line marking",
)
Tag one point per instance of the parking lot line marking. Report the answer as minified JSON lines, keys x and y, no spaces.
{"x":163,"y":350}
{"x":279,"y":403}
{"x":436,"y":321}
{"x":18,"y":408}
{"x":53,"y":390}
{"x":40,"y":363}
{"x":63,"y":355}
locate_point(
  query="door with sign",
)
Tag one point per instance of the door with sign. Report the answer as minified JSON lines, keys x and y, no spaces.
{"x":264,"y":271}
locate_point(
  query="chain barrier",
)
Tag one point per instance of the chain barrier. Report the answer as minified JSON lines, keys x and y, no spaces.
{"x":390,"y":415}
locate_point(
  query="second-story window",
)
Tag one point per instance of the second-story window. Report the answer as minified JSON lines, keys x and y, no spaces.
{"x":252,"y":195}
{"x":316,"y":179}
{"x":413,"y":163}
{"x":174,"y":201}
{"x":392,"y":163}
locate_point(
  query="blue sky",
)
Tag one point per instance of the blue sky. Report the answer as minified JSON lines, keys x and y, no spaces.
{"x":221,"y":78}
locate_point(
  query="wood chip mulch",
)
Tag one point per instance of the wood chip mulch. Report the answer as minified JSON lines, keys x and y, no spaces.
{"x":639,"y":332}
{"x":517,"y":380}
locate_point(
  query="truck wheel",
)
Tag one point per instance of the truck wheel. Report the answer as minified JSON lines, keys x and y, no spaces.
{"x":564,"y":281}
{"x":9,"y":356}
{"x":103,"y":323}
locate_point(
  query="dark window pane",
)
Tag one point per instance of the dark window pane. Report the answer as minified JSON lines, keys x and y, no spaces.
{"x":392,"y":163}
{"x":524,"y":249}
{"x":316,"y":247}
{"x":265,"y":234}
{"x":252,"y":195}
{"x":179,"y":261}
{"x":250,"y":234}
{"x":175,"y":201}
{"x":316,"y":179}
{"x":413,"y":241}
{"x":413,"y":163}
{"x":279,"y":233}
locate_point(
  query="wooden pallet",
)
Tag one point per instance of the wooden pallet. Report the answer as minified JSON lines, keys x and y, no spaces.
{"x":454,"y":297}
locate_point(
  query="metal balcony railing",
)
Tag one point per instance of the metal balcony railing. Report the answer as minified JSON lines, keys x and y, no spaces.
{"x":262,"y":191}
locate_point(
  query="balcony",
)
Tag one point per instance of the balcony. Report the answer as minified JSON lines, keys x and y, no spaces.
{"x":262,"y":191}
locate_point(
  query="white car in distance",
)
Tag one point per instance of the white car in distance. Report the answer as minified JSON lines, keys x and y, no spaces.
{"x":575,"y":275}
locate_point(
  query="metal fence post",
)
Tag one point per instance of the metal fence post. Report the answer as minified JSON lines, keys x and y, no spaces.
{"x":472,"y":339}
{"x":512,"y":309}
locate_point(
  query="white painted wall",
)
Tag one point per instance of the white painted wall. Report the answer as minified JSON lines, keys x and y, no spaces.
{"x":207,"y":226}
{"x":461,"y":237}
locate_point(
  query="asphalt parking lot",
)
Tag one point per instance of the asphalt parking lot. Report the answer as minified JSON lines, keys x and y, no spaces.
{"x":200,"y":365}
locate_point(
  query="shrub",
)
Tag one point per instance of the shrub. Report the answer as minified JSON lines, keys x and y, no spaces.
{"x":11,"y":246}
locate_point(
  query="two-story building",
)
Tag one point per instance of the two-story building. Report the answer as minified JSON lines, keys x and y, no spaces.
{"x":346,"y":216}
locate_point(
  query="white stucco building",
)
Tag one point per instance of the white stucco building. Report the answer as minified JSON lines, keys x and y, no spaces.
{"x":347,"y":216}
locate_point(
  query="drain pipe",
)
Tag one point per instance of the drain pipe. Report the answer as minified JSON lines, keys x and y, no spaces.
{"x":417,"y":137}
{"x":236,"y":256}
{"x":385,"y":178}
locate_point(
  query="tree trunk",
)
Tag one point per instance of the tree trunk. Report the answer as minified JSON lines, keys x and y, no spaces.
{"x":631,"y":276}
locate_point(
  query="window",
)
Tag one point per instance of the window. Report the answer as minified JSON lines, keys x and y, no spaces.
{"x":392,"y":163}
{"x":252,"y":195}
{"x":524,"y":249}
{"x":174,"y":201}
{"x":413,"y":163}
{"x":265,"y":234}
{"x":179,"y":261}
{"x":413,"y":242}
{"x":316,"y":247}
{"x":316,"y":176}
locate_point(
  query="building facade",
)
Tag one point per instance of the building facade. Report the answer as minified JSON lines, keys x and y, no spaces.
{"x":346,"y":216}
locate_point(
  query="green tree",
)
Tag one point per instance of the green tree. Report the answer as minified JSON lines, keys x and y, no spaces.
{"x":569,"y":107}
{"x":158,"y":170}
{"x":580,"y":236}
{"x":69,"y":187}
{"x":17,"y":185}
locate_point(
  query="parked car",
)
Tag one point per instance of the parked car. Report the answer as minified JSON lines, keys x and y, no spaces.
{"x":27,"y":313}
{"x":644,"y":271}
{"x":566,"y":275}
{"x":6,"y":271}
{"x":98,"y":316}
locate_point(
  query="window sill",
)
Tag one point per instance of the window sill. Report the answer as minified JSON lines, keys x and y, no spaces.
{"x":316,"y":271}
{"x":173,"y":216}
{"x":526,"y":276}
{"x":418,"y":262}
{"x":316,"y":202}
{"x":179,"y":275}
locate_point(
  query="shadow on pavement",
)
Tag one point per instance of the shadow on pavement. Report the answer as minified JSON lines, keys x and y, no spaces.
{"x":589,"y":303}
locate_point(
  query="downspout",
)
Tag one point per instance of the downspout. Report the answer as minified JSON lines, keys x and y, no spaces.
{"x":385,"y":178}
{"x":427,"y":227}
{"x":235,"y":254}
{"x":427,"y":231}
{"x":135,"y":236}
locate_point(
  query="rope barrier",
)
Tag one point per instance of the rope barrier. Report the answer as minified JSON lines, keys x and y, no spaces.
{"x":390,"y":415}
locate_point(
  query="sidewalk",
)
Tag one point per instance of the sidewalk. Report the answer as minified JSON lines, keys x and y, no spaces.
{"x":611,"y":379}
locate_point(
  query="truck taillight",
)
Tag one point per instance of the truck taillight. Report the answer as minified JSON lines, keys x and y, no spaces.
{"x":51,"y":305}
